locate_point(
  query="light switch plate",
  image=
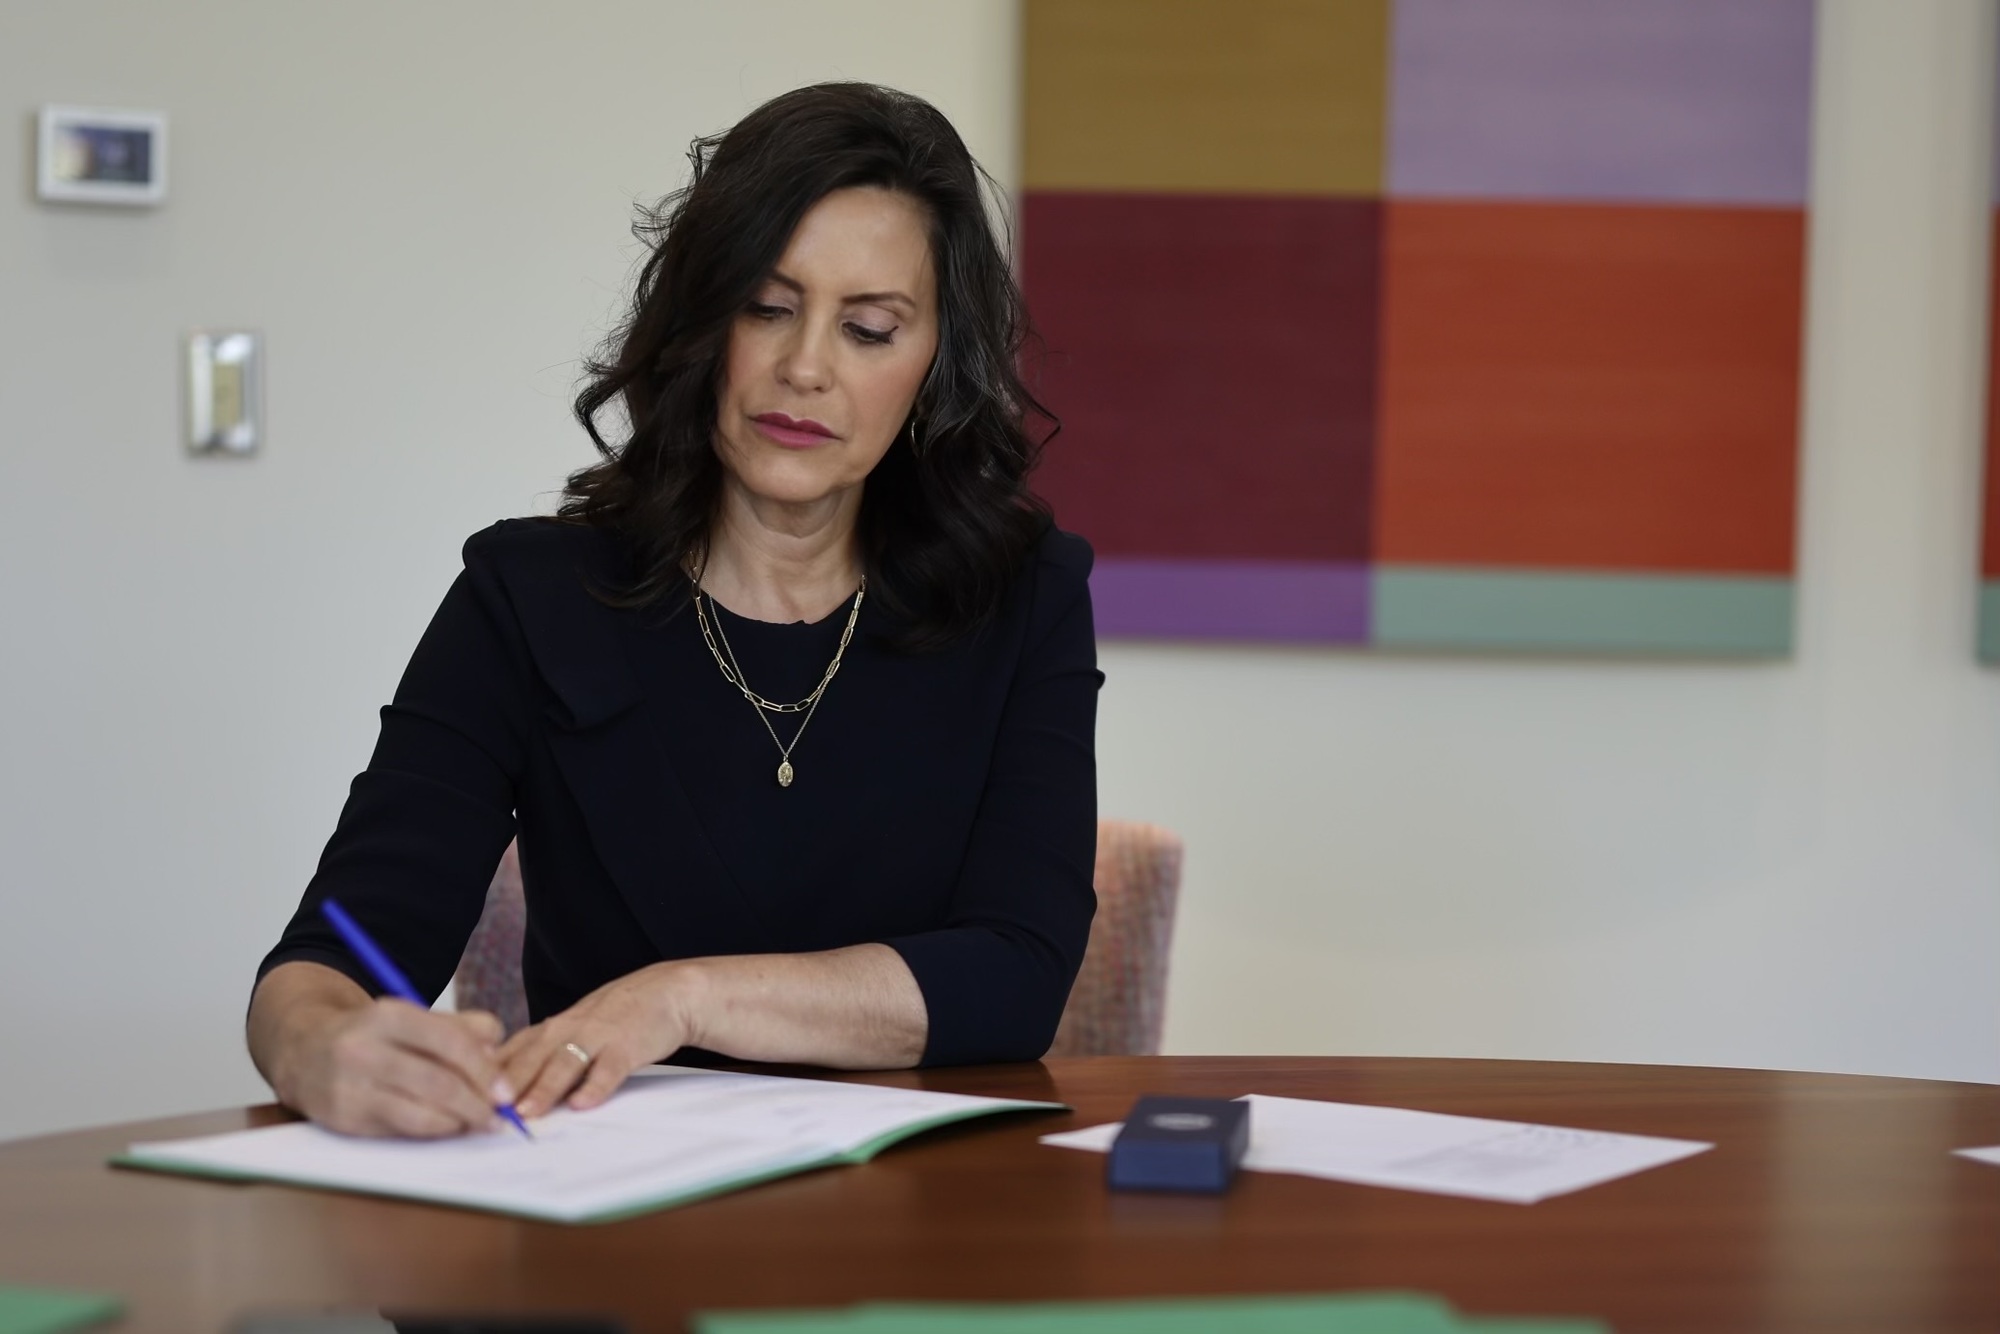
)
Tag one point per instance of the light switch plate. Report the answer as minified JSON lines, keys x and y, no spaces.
{"x":225,"y":391}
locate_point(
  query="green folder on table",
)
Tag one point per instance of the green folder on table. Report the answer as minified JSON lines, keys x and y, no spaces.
{"x":1346,"y":1313}
{"x":50,"y":1311}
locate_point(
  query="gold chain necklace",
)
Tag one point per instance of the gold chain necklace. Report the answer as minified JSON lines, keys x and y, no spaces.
{"x":732,"y":672}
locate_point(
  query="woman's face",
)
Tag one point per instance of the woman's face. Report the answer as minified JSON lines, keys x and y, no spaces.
{"x":826,"y":359}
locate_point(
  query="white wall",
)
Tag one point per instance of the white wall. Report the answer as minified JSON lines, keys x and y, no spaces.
{"x":1794,"y":864}
{"x":423,"y":207}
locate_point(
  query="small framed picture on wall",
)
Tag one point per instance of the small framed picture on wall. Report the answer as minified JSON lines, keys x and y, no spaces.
{"x":92,"y":155}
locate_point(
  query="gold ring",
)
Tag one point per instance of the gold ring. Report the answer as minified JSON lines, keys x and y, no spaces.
{"x":577,"y":1052}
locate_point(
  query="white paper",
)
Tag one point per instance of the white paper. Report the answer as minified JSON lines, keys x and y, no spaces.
{"x":1991,"y":1155}
{"x":1509,"y":1161}
{"x":671,"y":1132}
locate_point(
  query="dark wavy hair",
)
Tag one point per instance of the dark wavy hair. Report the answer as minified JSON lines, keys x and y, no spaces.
{"x":946,"y":517}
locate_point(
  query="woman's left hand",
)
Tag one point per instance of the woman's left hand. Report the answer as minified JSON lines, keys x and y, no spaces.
{"x":637,"y":1020}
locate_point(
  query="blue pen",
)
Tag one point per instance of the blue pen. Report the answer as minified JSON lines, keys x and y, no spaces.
{"x":392,"y":979}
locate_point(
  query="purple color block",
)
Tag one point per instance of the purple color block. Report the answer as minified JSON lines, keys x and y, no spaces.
{"x":1292,"y":601}
{"x":1683,"y":101}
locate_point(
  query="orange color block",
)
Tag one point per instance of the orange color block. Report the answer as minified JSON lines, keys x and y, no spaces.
{"x":1590,"y":387}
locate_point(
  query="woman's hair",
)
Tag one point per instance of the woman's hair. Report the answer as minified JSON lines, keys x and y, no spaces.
{"x":947,"y":517}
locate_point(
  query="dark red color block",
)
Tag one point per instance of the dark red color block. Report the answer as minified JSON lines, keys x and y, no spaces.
{"x":1213,"y":363}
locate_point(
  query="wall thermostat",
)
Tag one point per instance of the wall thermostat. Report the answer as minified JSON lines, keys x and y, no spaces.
{"x":92,"y":155}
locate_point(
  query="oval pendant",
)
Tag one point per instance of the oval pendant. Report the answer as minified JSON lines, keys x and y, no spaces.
{"x":785,"y":773}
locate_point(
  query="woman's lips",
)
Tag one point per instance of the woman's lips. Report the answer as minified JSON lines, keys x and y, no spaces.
{"x":793,"y":433}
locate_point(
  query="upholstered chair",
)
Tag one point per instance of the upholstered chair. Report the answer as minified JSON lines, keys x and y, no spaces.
{"x":1116,"y":1008}
{"x":1119,"y":1001}
{"x":489,"y":973}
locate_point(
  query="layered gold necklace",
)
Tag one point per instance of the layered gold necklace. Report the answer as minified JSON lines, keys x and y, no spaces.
{"x":732,"y":672}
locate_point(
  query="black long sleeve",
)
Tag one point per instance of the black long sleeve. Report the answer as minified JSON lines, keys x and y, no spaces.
{"x":945,"y":802}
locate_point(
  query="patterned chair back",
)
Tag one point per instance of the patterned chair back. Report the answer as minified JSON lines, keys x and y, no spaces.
{"x":1119,"y":1002}
{"x":489,"y":972}
{"x":1116,"y":1008}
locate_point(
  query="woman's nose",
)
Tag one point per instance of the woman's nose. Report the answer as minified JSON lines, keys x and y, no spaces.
{"x":805,"y":365}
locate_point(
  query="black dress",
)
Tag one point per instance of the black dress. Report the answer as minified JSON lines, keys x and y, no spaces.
{"x":944,"y":804}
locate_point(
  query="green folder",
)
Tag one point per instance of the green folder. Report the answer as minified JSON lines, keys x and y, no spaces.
{"x":1346,"y":1313}
{"x":49,"y":1311}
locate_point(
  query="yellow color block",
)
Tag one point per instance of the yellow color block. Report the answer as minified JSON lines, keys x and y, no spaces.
{"x":1224,"y":96}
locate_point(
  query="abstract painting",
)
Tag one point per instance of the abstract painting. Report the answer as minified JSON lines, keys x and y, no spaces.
{"x":1988,"y":643}
{"x":1424,"y":323}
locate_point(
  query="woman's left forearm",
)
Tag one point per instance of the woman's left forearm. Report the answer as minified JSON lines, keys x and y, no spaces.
{"x":856,"y":1008}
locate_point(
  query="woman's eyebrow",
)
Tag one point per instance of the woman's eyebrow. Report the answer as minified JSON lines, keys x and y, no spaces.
{"x":879,"y":299}
{"x":854,"y":298}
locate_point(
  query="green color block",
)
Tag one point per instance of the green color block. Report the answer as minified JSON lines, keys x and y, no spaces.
{"x":1989,"y":621}
{"x":48,"y":1311}
{"x":1718,"y":615}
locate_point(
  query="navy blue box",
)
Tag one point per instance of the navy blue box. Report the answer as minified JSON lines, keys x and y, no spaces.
{"x":1180,"y":1144}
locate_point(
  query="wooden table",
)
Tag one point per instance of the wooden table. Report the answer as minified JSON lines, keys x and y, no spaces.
{"x":1830,"y":1203}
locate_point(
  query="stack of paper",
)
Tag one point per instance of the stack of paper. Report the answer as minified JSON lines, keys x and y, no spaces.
{"x":1356,"y":1313}
{"x":671,"y":1135}
{"x":1449,"y":1155}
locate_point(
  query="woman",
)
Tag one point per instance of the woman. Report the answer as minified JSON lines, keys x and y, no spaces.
{"x":791,"y":708}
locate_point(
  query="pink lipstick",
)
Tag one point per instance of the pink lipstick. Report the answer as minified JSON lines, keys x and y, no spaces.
{"x":791,"y":432}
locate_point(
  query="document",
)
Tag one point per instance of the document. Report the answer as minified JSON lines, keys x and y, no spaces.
{"x":670,"y":1136}
{"x":1449,"y":1155}
{"x":1991,"y":1155}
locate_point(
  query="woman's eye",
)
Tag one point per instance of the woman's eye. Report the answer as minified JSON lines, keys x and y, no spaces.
{"x":868,"y":335}
{"x":764,"y":312}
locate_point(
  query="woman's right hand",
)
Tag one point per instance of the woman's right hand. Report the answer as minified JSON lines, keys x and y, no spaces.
{"x":375,"y":1067}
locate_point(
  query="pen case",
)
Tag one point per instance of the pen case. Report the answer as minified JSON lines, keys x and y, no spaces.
{"x":1190,"y":1144}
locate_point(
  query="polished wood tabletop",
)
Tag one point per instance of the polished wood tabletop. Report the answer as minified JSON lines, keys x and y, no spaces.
{"x":1830,"y":1203}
